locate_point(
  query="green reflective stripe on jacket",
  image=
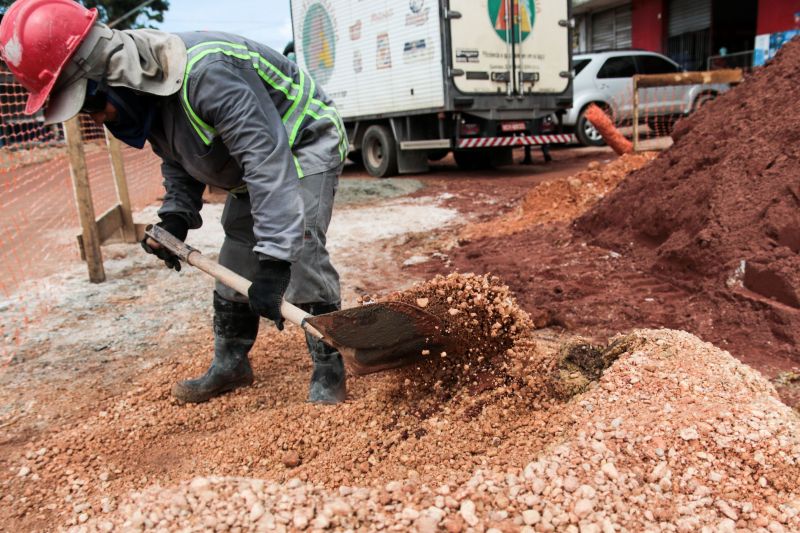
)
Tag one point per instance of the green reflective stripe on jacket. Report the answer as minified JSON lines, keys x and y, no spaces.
{"x":299,"y":121}
{"x":301,"y":95}
{"x":285,"y":84}
{"x":275,"y":70}
{"x":333,"y":119}
{"x":297,"y":167}
{"x":291,"y":109}
{"x":330,"y":113}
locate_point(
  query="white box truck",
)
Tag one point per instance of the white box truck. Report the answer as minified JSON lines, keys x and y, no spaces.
{"x":416,"y":79}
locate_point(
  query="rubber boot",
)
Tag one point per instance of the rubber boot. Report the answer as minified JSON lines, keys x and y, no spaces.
{"x":328,"y":384}
{"x":235,"y":330}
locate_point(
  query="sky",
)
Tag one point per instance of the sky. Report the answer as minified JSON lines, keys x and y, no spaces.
{"x":265,"y":21}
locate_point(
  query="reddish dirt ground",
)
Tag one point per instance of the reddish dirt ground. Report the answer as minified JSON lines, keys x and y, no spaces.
{"x":107,"y":424}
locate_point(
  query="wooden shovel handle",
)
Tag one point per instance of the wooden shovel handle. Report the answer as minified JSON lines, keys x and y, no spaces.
{"x":240,"y":284}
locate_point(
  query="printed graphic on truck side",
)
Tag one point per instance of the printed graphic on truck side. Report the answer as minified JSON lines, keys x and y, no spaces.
{"x":510,"y":46}
{"x":319,"y":43}
{"x":523,"y":14}
{"x":372,"y":56}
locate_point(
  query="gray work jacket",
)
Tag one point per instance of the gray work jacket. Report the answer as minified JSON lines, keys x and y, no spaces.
{"x":246,"y":115}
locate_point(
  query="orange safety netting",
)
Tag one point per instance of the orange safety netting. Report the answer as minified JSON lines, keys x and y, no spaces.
{"x":38,"y":218}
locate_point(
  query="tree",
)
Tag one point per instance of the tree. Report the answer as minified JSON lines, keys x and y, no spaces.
{"x":111,"y":10}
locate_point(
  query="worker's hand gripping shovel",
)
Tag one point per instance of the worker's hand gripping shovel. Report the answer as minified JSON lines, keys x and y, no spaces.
{"x":370,"y":338}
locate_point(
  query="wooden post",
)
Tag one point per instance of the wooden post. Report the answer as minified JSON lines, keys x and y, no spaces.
{"x":121,"y":183}
{"x":732,"y":76}
{"x":635,"y":113}
{"x":83,"y":200}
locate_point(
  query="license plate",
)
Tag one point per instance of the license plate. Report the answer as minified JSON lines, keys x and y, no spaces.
{"x":512,"y":126}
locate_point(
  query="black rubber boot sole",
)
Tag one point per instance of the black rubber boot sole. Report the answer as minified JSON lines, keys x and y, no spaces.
{"x":328,"y":383}
{"x":194,"y":391}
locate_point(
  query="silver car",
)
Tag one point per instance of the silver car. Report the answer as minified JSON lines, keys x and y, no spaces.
{"x":604,"y":78}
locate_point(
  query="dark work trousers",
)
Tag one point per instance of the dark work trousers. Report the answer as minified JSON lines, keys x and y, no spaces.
{"x":314,"y":279}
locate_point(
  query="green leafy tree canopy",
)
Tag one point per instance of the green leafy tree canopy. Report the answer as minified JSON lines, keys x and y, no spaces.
{"x":111,"y":10}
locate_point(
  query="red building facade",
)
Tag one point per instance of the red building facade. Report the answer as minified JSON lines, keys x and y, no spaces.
{"x":692,"y":32}
{"x":778,"y":15}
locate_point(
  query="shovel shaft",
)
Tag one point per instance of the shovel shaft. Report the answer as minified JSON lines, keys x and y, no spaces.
{"x":240,"y":284}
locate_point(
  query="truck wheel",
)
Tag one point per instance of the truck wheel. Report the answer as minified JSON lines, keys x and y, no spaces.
{"x":586,"y":133}
{"x":379,"y":151}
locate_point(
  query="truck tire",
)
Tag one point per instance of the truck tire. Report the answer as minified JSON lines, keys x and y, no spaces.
{"x":586,"y":133}
{"x":379,"y":151}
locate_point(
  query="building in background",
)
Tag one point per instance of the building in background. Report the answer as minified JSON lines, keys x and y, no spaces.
{"x":698,"y":34}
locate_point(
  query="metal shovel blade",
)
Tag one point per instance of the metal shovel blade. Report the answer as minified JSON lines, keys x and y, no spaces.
{"x":379,"y":336}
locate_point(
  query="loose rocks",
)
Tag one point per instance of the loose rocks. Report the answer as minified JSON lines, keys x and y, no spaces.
{"x":740,"y":471}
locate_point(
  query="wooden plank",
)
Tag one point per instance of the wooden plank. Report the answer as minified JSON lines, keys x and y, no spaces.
{"x":139,"y":237}
{"x":689,"y":78}
{"x":83,"y":200}
{"x":140,"y":231}
{"x":635,"y":114}
{"x":121,"y":183}
{"x":108,"y":225}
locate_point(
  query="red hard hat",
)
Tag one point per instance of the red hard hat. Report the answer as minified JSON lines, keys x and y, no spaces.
{"x":37,"y":38}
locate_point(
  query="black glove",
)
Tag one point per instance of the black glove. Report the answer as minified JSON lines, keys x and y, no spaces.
{"x":179,"y":228}
{"x":267,"y":290}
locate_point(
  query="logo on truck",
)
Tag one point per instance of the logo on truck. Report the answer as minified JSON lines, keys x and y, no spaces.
{"x":319,"y":43}
{"x":512,"y":19}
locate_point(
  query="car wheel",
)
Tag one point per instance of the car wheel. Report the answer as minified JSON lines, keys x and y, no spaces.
{"x":702,"y":100}
{"x":586,"y":133}
{"x":379,"y":151}
{"x":662,"y":126}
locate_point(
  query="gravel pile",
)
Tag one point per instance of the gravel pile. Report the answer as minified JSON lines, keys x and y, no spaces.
{"x":675,"y":436}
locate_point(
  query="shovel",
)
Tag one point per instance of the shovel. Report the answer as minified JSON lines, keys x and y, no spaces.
{"x":370,"y":338}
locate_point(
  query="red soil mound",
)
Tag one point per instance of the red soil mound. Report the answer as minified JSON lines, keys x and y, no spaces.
{"x":720,"y":211}
{"x":728,"y":191}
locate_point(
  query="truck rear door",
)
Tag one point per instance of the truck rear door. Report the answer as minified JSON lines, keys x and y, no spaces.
{"x":509,"y":46}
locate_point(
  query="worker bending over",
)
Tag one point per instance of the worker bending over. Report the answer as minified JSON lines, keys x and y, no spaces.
{"x":219,"y":110}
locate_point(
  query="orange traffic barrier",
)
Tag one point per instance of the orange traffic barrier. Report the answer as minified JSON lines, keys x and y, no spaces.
{"x":608,"y":131}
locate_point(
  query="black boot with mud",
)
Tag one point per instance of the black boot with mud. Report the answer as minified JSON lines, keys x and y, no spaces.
{"x":235,"y":331}
{"x":328,"y":384}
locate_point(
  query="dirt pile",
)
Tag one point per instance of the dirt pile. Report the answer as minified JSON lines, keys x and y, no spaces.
{"x":561,"y":199}
{"x":720,"y":210}
{"x":676,"y":435}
